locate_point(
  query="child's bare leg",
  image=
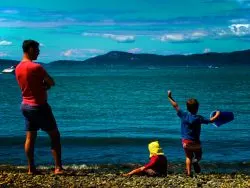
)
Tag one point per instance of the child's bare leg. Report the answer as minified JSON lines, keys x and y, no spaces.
{"x":189,"y":156}
{"x":188,"y":165}
{"x":150,"y":172}
{"x":198,"y":156}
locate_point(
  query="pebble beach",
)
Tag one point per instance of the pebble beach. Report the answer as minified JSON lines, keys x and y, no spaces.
{"x":111,"y":176}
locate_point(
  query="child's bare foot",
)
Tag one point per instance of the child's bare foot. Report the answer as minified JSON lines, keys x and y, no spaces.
{"x":188,"y":175}
{"x":59,"y":171}
{"x":34,"y":172}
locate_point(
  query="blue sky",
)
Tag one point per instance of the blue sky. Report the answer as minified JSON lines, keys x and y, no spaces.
{"x":79,"y":29}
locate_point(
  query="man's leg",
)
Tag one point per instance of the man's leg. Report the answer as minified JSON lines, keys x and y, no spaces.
{"x":56,"y":149}
{"x":29,"y":147}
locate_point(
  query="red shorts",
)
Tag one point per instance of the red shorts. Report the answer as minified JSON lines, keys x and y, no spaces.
{"x":192,"y":149}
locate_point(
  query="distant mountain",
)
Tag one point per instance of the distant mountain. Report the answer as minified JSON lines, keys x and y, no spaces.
{"x":118,"y":58}
{"x":7,"y":63}
{"x":218,"y":59}
{"x":65,"y":63}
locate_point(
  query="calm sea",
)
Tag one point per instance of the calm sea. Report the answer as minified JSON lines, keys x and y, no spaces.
{"x":109,"y":115}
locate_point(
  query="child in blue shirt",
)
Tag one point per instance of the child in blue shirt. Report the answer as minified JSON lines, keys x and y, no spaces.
{"x":190,"y":131}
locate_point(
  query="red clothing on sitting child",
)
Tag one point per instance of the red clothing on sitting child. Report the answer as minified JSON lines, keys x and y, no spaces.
{"x":158,"y":163}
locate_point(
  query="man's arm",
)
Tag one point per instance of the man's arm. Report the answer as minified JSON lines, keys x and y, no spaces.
{"x":48,"y":81}
{"x":172,"y":101}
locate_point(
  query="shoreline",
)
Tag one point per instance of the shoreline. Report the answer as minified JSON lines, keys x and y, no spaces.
{"x":174,"y":167}
{"x":109,"y":175}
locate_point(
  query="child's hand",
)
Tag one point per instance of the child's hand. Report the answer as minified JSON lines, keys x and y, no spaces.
{"x":215,"y":117}
{"x":169,"y":93}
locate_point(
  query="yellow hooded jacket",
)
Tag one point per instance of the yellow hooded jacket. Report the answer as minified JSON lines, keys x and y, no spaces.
{"x":155,"y":149}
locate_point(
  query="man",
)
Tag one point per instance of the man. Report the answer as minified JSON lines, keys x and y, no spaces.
{"x":34,"y":82}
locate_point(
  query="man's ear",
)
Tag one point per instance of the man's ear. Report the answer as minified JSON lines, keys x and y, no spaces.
{"x":31,"y":50}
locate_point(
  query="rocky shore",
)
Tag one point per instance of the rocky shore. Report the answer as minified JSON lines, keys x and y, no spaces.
{"x":111,"y":176}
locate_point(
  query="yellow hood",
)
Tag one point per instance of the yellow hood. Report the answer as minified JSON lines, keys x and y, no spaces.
{"x":154,"y":149}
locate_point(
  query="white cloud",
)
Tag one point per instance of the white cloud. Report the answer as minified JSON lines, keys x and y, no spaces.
{"x":135,"y":50}
{"x":117,"y":38}
{"x":68,"y":53}
{"x":240,"y":29}
{"x":50,"y":24}
{"x":121,"y":38}
{"x":168,"y":52}
{"x":198,"y":34}
{"x":234,"y":30}
{"x":5,"y":43}
{"x":2,"y":54}
{"x":206,"y":50}
{"x":172,"y":37}
{"x":221,"y":33}
{"x":82,"y":52}
{"x":180,"y":37}
{"x":94,"y":51}
{"x":9,"y":11}
{"x":240,"y":20}
{"x":244,"y":3}
{"x":91,"y":34}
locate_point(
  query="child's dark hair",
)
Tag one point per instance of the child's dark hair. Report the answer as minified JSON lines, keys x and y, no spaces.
{"x":27,"y":44}
{"x":192,"y":106}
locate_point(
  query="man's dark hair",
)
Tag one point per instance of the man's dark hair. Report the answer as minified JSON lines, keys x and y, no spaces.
{"x":27,"y":44}
{"x":192,"y":106}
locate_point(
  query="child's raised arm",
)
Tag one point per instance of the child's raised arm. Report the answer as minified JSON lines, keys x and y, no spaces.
{"x":172,"y":101}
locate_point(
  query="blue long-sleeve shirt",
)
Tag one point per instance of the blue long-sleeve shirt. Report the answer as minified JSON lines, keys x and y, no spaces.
{"x":191,"y":125}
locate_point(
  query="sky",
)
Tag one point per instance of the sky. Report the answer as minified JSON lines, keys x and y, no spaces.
{"x":80,"y":29}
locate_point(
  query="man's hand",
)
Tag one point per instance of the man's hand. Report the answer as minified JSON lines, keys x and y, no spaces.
{"x":46,"y":85}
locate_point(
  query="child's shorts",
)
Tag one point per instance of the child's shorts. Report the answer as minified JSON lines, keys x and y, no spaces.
{"x":38,"y":117}
{"x":192,"y":149}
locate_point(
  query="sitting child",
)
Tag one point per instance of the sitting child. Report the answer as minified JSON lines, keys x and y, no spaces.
{"x":157,"y":165}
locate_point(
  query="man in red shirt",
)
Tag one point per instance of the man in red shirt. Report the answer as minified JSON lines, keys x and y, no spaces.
{"x":34,"y":82}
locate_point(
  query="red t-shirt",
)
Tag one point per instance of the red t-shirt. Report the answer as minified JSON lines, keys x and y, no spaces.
{"x":30,"y":78}
{"x":157,"y":163}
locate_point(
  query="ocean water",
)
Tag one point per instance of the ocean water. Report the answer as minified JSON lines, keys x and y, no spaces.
{"x":110,"y":115}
